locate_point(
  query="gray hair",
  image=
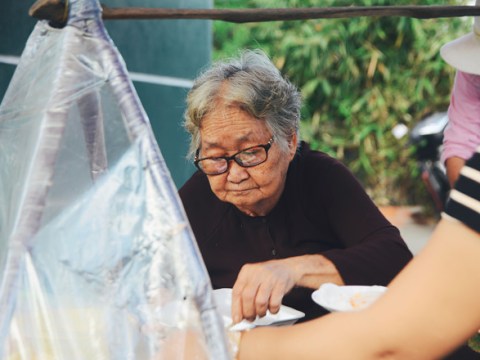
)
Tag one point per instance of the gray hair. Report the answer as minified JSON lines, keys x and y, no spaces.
{"x":256,"y":86}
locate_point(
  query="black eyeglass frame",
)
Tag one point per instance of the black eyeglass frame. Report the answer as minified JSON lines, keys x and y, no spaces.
{"x":266,"y":146}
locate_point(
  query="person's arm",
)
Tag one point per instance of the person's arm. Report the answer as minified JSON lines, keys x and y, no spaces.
{"x":453,"y":164}
{"x":370,"y":249}
{"x":261,"y":286}
{"x":462,"y":134}
{"x":429,"y":309}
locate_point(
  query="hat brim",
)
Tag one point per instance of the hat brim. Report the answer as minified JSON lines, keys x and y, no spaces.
{"x":463,"y":53}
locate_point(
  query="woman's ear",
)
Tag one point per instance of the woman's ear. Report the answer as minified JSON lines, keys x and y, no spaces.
{"x":293,"y":145}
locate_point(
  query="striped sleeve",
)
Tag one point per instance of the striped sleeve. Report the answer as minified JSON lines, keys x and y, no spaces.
{"x":464,"y":202}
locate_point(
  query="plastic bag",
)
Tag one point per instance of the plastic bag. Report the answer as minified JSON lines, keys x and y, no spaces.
{"x":97,"y":259}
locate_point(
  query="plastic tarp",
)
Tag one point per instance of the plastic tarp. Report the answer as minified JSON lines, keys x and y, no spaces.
{"x":97,"y":259}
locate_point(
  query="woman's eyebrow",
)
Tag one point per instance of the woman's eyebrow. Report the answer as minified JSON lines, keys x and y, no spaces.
{"x":215,"y":144}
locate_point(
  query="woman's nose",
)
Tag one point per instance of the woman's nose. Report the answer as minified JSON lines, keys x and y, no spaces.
{"x":236,"y":173}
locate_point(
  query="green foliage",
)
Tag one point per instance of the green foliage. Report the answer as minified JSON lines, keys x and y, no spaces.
{"x":359,"y":77}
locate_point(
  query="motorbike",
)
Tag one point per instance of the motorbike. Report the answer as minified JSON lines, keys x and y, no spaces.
{"x":427,"y":138}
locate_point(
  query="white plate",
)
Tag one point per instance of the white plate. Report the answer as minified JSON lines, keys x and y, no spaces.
{"x":285,"y":316}
{"x":346,"y":298}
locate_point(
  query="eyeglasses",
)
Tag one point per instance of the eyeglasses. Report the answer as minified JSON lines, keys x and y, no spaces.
{"x":249,"y":157}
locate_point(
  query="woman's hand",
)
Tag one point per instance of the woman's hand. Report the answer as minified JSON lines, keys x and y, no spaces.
{"x":261,"y":286}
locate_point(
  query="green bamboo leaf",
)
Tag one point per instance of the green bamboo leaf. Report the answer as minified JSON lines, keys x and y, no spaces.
{"x":310,"y":87}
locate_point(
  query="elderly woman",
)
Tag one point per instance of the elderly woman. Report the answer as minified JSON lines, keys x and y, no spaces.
{"x":274,"y":219}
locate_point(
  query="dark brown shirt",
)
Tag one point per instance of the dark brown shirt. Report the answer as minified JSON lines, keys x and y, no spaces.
{"x":323,"y":210}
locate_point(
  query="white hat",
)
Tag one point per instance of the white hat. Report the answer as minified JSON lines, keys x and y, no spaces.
{"x":464,"y":53}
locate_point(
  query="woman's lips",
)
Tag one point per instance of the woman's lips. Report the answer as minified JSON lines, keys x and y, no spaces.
{"x":239,"y":191}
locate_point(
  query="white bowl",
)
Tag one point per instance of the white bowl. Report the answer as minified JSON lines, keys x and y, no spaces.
{"x":347,"y":298}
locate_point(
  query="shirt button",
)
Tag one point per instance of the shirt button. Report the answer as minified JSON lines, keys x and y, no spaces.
{"x":274,"y":252}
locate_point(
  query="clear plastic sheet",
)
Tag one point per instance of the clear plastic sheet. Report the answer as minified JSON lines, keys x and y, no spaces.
{"x":97,"y":259}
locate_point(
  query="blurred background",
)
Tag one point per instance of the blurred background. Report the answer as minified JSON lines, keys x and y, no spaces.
{"x":359,"y":77}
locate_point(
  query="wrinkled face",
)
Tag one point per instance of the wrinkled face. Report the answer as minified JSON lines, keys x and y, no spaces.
{"x":255,"y":191}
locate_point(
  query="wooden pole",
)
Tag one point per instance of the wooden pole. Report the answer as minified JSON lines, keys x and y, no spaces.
{"x":54,"y":10}
{"x":259,"y":15}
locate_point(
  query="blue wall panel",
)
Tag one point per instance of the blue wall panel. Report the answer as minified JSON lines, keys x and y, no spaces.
{"x":154,"y":49}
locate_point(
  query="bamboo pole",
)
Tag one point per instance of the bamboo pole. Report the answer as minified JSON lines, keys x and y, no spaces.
{"x":258,"y":15}
{"x":54,"y":10}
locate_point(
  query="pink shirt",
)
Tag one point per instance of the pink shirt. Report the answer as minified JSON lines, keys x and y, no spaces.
{"x":462,"y":135}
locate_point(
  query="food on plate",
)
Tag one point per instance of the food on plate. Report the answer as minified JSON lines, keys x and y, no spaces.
{"x":361,"y":300}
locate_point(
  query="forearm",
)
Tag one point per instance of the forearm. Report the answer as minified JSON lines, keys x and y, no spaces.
{"x":336,"y":336}
{"x":454,"y":165}
{"x":374,"y":261}
{"x":436,"y":298}
{"x":315,"y":270}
